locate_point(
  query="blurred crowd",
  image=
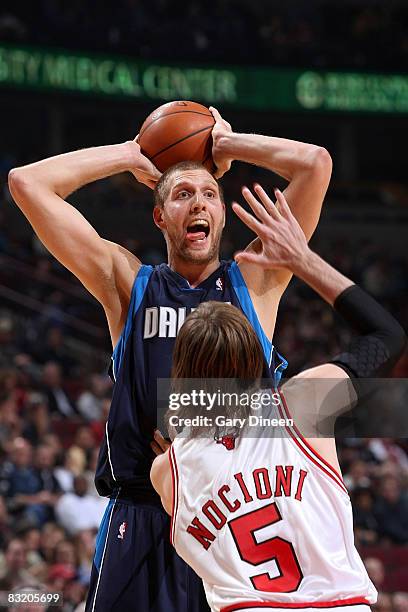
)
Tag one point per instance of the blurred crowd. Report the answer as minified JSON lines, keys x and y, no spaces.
{"x":313,"y":33}
{"x":54,"y":405}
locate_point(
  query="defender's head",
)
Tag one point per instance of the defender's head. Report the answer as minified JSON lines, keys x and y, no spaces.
{"x":217,"y":341}
{"x":190,"y":211}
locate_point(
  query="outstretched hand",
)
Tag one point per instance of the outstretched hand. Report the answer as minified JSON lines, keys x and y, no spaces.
{"x":283,"y":243}
{"x":142,"y":168}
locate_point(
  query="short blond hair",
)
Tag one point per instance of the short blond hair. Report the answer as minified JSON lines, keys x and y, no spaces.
{"x":161,"y":191}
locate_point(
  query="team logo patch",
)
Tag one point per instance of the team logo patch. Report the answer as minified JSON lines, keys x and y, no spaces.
{"x":122,"y":530}
{"x":228,"y":442}
{"x":219,"y":284}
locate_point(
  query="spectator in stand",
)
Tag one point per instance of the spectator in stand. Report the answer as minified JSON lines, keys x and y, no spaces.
{"x":85,"y":546}
{"x":84,"y":439}
{"x":58,"y":401}
{"x":10,"y":422}
{"x":45,"y":466}
{"x":98,"y":427}
{"x":6,"y":528}
{"x":36,"y":417}
{"x":53,"y":349}
{"x":90,"y":401}
{"x":25,"y":490}
{"x":400,"y":602}
{"x":15,"y":573}
{"x":385,"y":449}
{"x":384,"y":603}
{"x":32,"y":543}
{"x":376,"y":572}
{"x":80,"y":510}
{"x":391,"y":511}
{"x":51,"y":535}
{"x":365,"y":524}
{"x":357,"y":475}
{"x":74,"y":465}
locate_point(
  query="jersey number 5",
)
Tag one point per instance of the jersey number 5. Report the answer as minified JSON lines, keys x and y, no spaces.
{"x":275,"y":549}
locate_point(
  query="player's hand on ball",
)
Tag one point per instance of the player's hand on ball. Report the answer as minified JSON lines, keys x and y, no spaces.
{"x":220,"y":129}
{"x":282,"y":243}
{"x":159,"y":445}
{"x":142,"y":168}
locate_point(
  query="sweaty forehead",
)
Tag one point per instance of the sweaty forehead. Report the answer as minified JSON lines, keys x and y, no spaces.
{"x":198,"y":177}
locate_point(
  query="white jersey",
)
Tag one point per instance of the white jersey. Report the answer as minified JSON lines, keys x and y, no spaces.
{"x":266,"y":524}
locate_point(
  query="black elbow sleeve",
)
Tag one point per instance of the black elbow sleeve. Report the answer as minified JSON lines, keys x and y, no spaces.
{"x":381,"y":338}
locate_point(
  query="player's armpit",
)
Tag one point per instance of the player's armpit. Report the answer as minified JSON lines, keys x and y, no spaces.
{"x":317,"y":396}
{"x":266,"y":288}
{"x":125,"y":267}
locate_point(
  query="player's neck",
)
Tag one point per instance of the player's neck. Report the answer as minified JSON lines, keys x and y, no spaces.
{"x":193,"y":273}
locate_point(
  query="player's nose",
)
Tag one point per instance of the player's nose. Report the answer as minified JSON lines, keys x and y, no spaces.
{"x":198,"y":203}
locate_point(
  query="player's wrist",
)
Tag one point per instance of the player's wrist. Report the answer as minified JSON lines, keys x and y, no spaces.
{"x":225,"y":145}
{"x":131,"y":154}
{"x":304,"y":263}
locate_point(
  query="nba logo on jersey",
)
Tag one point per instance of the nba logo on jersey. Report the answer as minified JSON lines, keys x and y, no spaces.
{"x":218,"y":284}
{"x":122,"y":530}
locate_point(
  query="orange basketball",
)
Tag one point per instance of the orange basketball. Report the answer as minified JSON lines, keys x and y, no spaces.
{"x":178,"y":131}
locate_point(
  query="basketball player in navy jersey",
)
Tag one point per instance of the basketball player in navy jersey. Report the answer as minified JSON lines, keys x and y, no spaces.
{"x":264,"y":518}
{"x":135,"y":568}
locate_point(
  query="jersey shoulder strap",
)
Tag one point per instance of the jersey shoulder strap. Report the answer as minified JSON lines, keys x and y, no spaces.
{"x":136,"y":297}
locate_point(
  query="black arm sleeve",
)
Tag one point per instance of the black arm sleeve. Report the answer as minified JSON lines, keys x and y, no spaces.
{"x":381,"y":341}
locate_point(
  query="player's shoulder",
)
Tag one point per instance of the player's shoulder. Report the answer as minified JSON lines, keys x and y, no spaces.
{"x":325,"y":370}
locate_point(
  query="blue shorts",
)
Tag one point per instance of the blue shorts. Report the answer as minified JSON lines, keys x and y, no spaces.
{"x":135,"y":567}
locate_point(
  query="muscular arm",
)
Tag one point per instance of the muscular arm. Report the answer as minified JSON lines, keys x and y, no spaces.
{"x":40,"y":189}
{"x":306,"y":167}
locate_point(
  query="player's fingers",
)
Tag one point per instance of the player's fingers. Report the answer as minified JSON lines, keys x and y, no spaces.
{"x":221,"y":170}
{"x":256,"y":206}
{"x":248,"y":219}
{"x":156,"y":448}
{"x":283,"y":205}
{"x":266,"y":201}
{"x":215,"y":113}
{"x":161,"y":440}
{"x":253,"y":258}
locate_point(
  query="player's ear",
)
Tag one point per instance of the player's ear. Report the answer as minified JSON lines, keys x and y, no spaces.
{"x":158,"y":217}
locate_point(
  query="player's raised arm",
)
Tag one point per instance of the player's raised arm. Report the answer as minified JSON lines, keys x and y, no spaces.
{"x":40,"y":189}
{"x":380,"y":339}
{"x":306,"y":167}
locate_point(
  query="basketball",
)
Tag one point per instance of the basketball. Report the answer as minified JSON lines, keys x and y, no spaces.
{"x":178,"y":131}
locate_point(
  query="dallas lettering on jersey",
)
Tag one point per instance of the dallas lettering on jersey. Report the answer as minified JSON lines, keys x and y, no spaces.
{"x":258,"y":485}
{"x":164,"y":321}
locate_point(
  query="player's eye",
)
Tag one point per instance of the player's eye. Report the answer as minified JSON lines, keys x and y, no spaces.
{"x":183,"y":194}
{"x":209,"y":194}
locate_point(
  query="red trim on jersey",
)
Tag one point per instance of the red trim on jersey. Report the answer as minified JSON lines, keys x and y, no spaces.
{"x":310,"y":452}
{"x":174,"y":482}
{"x":307,"y":443}
{"x":249,"y":605}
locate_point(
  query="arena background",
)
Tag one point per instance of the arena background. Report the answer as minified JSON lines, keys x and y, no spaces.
{"x":80,"y":74}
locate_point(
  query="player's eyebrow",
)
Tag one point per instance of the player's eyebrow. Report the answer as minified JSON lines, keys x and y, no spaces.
{"x":186,"y":184}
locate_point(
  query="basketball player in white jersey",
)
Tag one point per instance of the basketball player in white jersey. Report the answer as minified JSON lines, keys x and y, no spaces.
{"x":265,"y":519}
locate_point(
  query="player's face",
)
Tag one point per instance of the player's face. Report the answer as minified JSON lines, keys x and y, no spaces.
{"x":193,"y":216}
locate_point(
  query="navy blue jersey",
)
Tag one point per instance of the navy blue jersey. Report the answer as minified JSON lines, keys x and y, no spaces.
{"x":160,"y":301}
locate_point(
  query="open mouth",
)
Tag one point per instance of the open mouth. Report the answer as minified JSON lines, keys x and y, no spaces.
{"x":198,"y":230}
